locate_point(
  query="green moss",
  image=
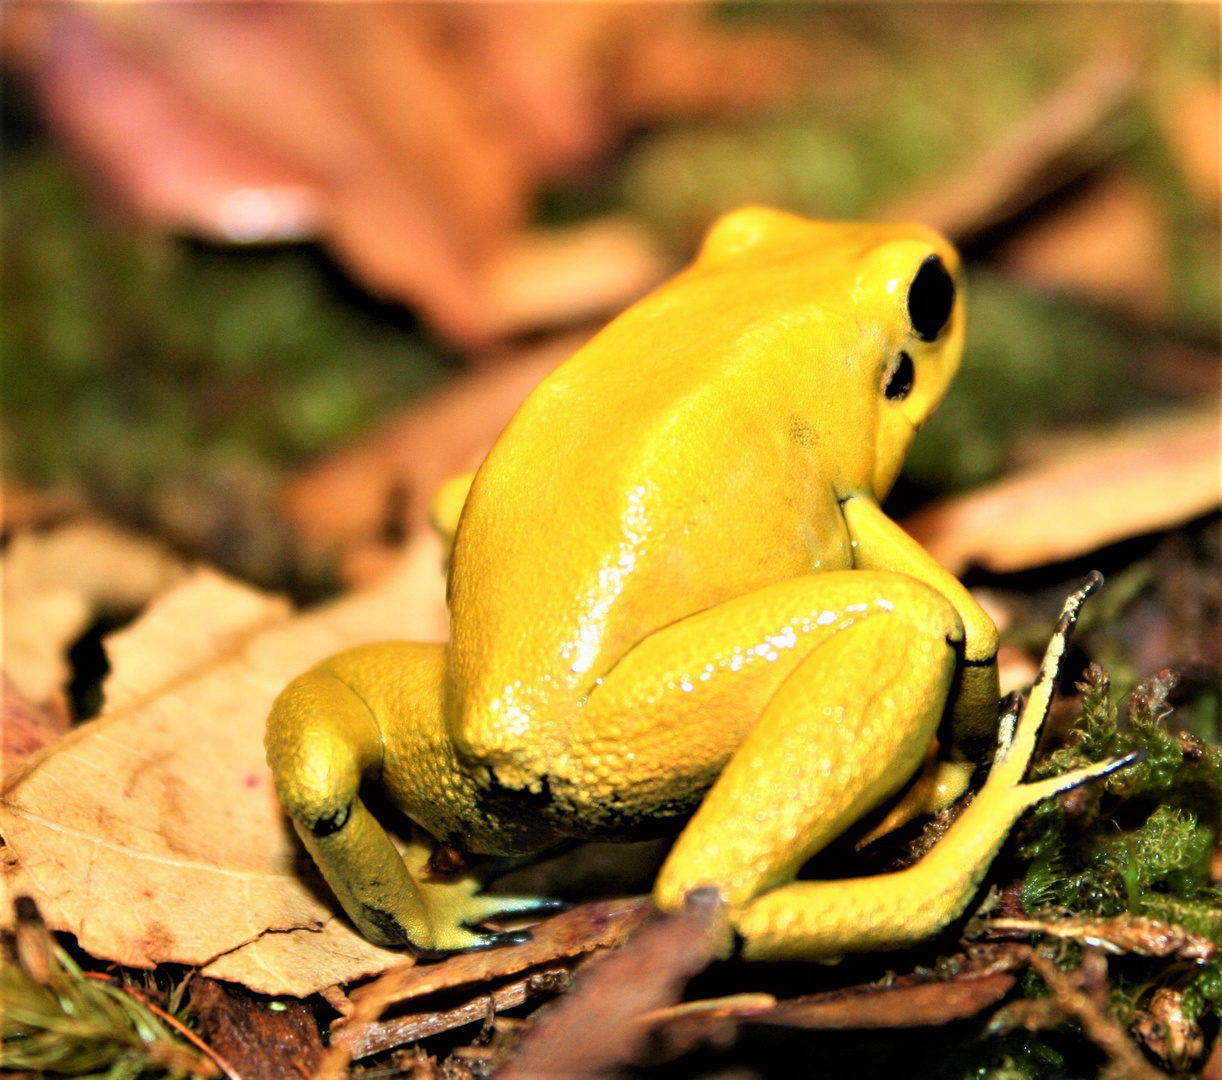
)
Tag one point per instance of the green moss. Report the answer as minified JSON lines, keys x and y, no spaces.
{"x":1143,"y":842}
{"x":138,"y":367}
{"x":56,"y":1021}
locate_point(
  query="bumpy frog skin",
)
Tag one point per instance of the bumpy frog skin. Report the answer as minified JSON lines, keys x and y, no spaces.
{"x":675,"y":606}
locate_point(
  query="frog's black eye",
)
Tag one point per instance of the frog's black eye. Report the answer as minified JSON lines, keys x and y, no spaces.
{"x":931,"y":296}
{"x":899,"y":382}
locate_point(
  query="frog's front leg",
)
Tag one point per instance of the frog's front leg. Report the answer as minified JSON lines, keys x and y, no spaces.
{"x":373,"y":714}
{"x":822,"y":920}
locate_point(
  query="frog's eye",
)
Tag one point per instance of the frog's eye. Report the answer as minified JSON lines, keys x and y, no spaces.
{"x":931,"y":296}
{"x":898,"y":378}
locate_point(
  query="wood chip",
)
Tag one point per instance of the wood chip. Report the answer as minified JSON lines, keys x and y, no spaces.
{"x":604,"y":924}
{"x":261,"y":1040}
{"x":619,"y":988}
{"x":368,"y":1039}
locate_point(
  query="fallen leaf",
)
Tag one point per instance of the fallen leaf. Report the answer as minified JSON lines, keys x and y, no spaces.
{"x":207,"y":616}
{"x":26,"y":728}
{"x":566,"y":276}
{"x":914,"y":1005}
{"x":154,"y":834}
{"x":1108,"y":245}
{"x":259,"y":1042}
{"x":412,"y":139}
{"x":1190,"y":123}
{"x":1213,"y":1064}
{"x":1141,"y":479}
{"x":22,"y":509}
{"x":58,"y":580}
{"x":1062,"y":137}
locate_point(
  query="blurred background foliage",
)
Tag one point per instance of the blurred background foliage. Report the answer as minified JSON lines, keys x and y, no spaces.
{"x":175,"y":380}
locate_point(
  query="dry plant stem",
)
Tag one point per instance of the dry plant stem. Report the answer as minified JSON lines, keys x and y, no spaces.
{"x":175,"y":1023}
{"x":367,"y":1012}
{"x":1052,"y":145}
{"x":1126,"y":1060}
{"x":1144,"y":937}
{"x":373,"y":1038}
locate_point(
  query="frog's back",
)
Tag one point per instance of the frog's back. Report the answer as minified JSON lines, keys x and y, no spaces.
{"x":675,"y":462}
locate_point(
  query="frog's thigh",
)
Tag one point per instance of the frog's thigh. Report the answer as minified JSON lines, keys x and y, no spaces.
{"x":668,"y":717}
{"x":846,"y":727}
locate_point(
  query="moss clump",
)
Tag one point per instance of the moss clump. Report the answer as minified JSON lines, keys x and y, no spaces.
{"x":1140,"y":843}
{"x":57,"y":1020}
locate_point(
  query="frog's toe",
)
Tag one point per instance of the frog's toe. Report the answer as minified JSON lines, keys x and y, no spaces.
{"x":473,"y":939}
{"x":481,"y":909}
{"x":494,"y":907}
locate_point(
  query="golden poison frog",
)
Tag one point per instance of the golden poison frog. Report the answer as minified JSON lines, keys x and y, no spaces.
{"x":677,"y":607}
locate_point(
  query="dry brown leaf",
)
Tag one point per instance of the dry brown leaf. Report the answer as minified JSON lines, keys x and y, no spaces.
{"x":22,"y":509}
{"x":1062,"y":137}
{"x":412,"y":138}
{"x":1109,"y":245}
{"x":1191,"y":123}
{"x":57,"y":581}
{"x":620,"y":988}
{"x":154,"y":834}
{"x":910,"y":1000}
{"x":565,"y":276}
{"x":207,"y":616}
{"x":1141,"y":479}
{"x":363,"y":501}
{"x":26,"y":728}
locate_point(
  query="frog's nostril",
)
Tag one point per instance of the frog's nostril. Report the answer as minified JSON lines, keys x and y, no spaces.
{"x":899,"y":384}
{"x":931,"y":296}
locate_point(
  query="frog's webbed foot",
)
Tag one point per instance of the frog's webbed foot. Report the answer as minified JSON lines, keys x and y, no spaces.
{"x":825,"y":919}
{"x":456,"y":909}
{"x":458,"y":912}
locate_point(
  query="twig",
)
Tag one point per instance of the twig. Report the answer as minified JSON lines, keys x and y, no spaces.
{"x":1100,"y":1027}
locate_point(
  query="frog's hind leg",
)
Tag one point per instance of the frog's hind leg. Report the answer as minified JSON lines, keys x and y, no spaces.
{"x":355,"y":718}
{"x":843,"y":732}
{"x":825,"y":919}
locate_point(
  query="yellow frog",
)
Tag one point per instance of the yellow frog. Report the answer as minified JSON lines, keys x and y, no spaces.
{"x":677,"y":607}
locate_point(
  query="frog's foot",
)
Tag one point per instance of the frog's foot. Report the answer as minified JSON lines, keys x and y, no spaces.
{"x":822,"y":920}
{"x":456,"y":913}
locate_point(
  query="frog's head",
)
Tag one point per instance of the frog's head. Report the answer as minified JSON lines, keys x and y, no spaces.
{"x":872,"y":316}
